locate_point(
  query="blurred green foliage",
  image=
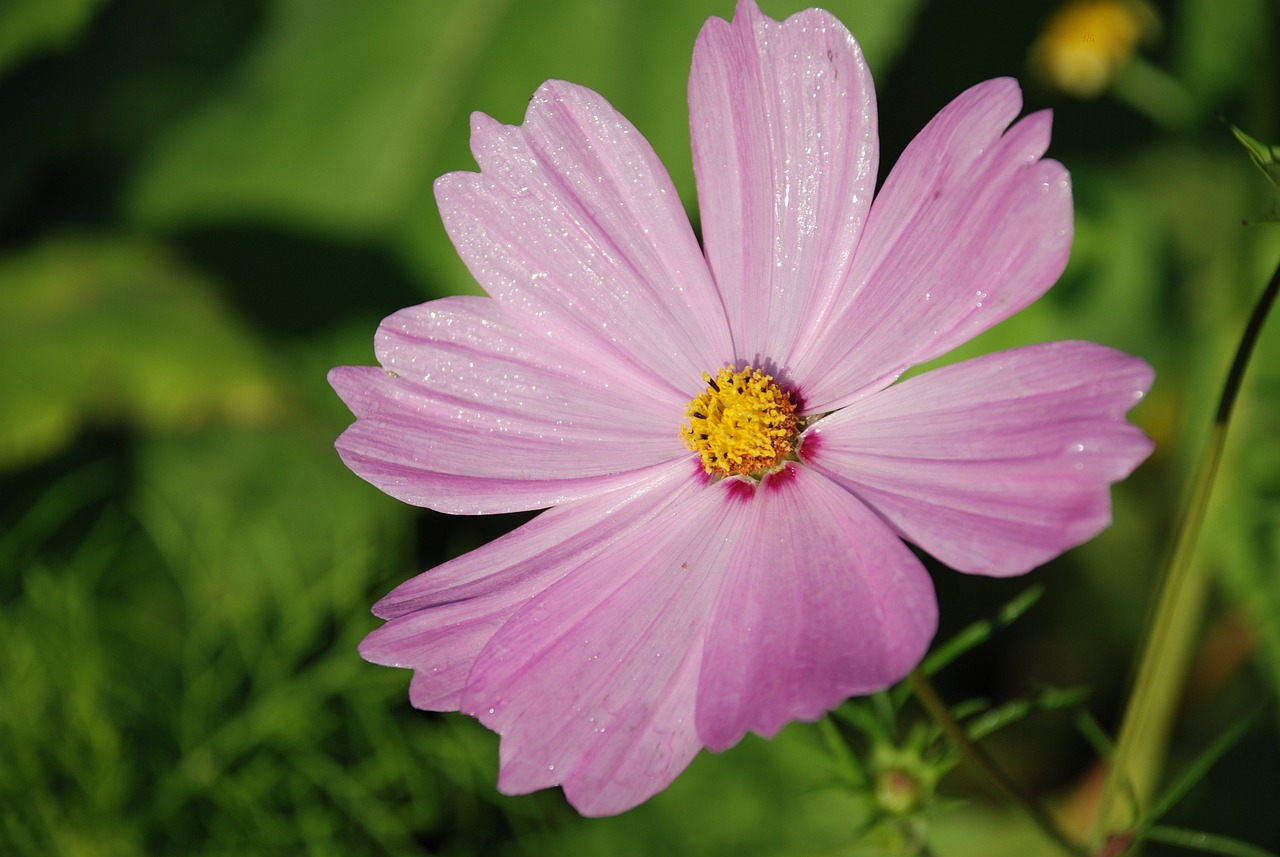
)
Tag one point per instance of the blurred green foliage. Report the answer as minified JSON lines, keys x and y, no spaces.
{"x":28,"y":27}
{"x":205,"y":205}
{"x":100,"y":330}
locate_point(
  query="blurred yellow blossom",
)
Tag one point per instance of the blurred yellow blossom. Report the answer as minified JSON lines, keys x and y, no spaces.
{"x":1086,"y":42}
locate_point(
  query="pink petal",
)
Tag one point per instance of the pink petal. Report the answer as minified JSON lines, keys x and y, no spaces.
{"x":473,"y":414}
{"x":439,"y":621}
{"x":997,"y":464}
{"x":969,"y":228}
{"x":592,"y":683}
{"x":574,"y":225}
{"x":822,"y":601}
{"x":783,"y":119}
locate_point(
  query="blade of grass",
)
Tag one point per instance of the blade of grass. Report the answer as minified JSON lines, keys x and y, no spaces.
{"x":1199,"y":767}
{"x":1206,"y":843}
{"x":1017,"y":709}
{"x":973,"y":635}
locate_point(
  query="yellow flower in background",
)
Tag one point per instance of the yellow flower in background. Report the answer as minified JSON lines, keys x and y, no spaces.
{"x":1086,"y":42}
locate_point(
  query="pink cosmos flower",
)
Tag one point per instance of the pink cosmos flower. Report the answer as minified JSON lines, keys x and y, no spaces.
{"x":727,"y":465}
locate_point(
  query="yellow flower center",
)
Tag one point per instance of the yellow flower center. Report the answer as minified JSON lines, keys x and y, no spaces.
{"x":743,"y":424}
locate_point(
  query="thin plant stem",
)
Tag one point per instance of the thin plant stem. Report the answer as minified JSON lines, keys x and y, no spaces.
{"x":984,"y":764}
{"x":840,"y":749}
{"x":1162,"y":667}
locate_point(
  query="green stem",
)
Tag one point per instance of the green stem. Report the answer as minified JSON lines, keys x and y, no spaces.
{"x":1147,"y":718}
{"x":982,"y":762}
{"x":1152,"y":93}
{"x":840,"y":749}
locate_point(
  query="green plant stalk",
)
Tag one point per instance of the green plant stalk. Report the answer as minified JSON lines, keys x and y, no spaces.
{"x":1152,"y":93}
{"x":1157,"y":688}
{"x":1144,"y":728}
{"x":984,"y":764}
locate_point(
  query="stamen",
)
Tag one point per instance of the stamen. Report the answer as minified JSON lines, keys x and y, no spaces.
{"x":743,"y":424}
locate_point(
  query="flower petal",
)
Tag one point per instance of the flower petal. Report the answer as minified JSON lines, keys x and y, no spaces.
{"x":592,"y":683}
{"x":823,"y":602}
{"x":438,"y":622}
{"x":783,"y":120}
{"x":475,"y":415}
{"x":997,"y":464}
{"x":574,"y":225}
{"x":969,"y":228}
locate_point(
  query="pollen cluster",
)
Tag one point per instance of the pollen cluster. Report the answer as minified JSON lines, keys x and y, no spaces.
{"x":743,"y":424}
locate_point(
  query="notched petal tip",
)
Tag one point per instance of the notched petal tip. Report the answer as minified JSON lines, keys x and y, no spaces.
{"x":1000,"y":89}
{"x":986,"y":109}
{"x":785,"y":153}
{"x":339,"y":377}
{"x":745,"y":11}
{"x":351,"y":383}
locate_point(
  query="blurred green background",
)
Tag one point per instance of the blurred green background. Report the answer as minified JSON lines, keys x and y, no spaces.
{"x":205,"y":205}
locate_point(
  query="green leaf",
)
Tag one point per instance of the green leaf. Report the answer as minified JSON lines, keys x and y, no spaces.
{"x":1266,"y":157}
{"x":113,"y":330}
{"x":331,"y":122}
{"x":28,"y":27}
{"x":1015,"y":710}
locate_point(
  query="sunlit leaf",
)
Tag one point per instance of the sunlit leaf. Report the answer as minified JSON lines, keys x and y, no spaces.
{"x":115,"y":331}
{"x":331,"y":121}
